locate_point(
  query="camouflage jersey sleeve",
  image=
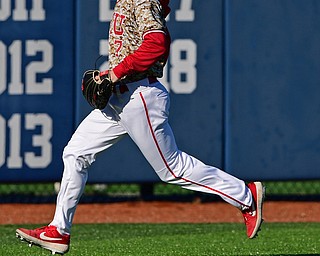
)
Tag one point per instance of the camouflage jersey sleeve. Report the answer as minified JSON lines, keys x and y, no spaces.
{"x":132,"y":21}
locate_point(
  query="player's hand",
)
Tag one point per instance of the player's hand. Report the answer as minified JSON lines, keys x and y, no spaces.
{"x":113,"y":77}
{"x":96,"y":88}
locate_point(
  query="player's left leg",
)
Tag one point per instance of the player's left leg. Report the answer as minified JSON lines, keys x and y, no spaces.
{"x":147,"y":119}
{"x":150,"y":130}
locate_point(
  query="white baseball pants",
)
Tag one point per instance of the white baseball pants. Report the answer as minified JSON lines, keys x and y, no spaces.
{"x":142,"y":113}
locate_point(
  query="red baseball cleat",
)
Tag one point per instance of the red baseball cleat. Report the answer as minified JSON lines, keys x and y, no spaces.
{"x":253,"y":215}
{"x":46,"y":237}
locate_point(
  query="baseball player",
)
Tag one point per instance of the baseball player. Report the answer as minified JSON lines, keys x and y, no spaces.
{"x":139,"y":44}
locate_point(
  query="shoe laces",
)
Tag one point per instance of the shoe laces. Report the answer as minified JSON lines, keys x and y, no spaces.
{"x":41,"y":228}
{"x":248,"y":214}
{"x":50,"y":230}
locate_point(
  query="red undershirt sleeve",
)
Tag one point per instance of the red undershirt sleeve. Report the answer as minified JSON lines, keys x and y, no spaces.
{"x":153,"y":47}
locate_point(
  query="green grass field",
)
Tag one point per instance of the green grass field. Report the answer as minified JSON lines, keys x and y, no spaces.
{"x":177,"y":239}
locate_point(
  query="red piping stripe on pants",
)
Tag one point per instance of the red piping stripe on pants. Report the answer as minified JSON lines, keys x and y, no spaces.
{"x":166,"y":164}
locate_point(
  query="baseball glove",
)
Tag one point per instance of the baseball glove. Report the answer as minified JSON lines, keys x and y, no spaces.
{"x":96,"y":88}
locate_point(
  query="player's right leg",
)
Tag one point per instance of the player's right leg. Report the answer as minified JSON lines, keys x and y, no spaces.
{"x":46,"y":237}
{"x":97,"y":132}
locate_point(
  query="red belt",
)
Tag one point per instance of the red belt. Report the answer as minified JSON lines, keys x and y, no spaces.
{"x":122,"y":88}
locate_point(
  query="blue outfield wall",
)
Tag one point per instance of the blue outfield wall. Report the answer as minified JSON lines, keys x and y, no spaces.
{"x":36,"y":92}
{"x":242,"y":75}
{"x":273,"y":89}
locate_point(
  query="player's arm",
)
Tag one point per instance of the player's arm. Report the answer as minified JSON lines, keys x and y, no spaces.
{"x":154,"y":46}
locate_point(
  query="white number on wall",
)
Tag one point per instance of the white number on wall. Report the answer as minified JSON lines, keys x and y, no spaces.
{"x":105,"y":11}
{"x":20,"y":11}
{"x":35,"y":67}
{"x":3,"y":65}
{"x":15,"y":157}
{"x":32,"y":69}
{"x":41,"y":140}
{"x":183,"y":72}
{"x":185,"y":13}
